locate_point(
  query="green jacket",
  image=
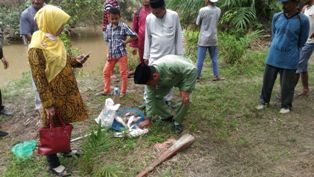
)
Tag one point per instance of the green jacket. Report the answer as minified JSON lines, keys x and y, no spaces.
{"x":175,"y":71}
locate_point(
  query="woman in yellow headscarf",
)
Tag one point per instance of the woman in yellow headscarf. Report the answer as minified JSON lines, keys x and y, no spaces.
{"x":53,"y":74}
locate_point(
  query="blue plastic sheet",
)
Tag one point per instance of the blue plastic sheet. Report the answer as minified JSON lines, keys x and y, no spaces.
{"x":122,"y":111}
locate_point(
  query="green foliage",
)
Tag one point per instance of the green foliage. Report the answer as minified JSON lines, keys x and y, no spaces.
{"x":243,"y":14}
{"x":67,"y":43}
{"x":9,"y":18}
{"x":232,"y":48}
{"x":108,"y":171}
{"x":240,"y":18}
{"x":188,"y":10}
{"x":93,"y":146}
{"x":82,"y":11}
{"x":191,"y":39}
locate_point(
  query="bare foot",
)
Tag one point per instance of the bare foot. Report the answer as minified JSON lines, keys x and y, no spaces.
{"x":304,"y":93}
{"x":145,"y":124}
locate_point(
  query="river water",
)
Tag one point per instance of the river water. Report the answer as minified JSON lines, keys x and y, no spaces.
{"x":88,"y":40}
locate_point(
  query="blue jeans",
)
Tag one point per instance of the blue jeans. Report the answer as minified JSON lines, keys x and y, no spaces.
{"x":213,"y":53}
{"x":305,"y":55}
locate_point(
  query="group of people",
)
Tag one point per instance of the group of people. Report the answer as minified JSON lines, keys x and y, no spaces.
{"x":157,"y":35}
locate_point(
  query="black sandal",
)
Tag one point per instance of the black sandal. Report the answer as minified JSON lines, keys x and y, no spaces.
{"x":60,"y":171}
{"x":73,"y":153}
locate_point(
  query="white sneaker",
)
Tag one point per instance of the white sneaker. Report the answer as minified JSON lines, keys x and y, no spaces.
{"x":260,"y":107}
{"x":284,"y":110}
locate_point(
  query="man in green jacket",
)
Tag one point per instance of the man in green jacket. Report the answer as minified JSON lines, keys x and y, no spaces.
{"x":163,"y":74}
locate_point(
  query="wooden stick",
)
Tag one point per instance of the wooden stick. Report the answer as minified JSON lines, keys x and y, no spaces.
{"x":182,"y":143}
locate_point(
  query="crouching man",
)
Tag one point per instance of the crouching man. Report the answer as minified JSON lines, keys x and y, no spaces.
{"x":163,"y":74}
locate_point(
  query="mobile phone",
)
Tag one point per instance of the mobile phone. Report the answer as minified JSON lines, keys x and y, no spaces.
{"x":86,"y":56}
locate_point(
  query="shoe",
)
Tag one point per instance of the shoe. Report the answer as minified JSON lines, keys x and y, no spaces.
{"x":177,"y":128}
{"x":122,"y":95}
{"x":5,"y":112}
{"x":60,"y":171}
{"x":168,"y":119}
{"x":102,"y":94}
{"x":3,"y":134}
{"x":218,"y":78}
{"x":260,"y":107}
{"x":284,"y":110}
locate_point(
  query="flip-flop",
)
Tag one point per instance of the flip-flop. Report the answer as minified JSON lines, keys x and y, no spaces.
{"x":60,"y":171}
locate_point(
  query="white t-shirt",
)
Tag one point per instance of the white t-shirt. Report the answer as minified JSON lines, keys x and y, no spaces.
{"x":163,"y":36}
{"x":309,"y":12}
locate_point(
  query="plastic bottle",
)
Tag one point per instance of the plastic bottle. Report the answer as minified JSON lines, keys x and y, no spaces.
{"x":116,"y":91}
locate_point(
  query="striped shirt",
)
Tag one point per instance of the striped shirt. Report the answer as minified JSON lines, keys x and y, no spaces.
{"x":115,"y":36}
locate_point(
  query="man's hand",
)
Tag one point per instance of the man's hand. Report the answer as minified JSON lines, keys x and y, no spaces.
{"x":50,"y":112}
{"x":145,"y":124}
{"x":5,"y":63}
{"x":185,"y":97}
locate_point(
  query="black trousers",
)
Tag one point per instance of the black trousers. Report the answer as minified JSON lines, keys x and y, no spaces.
{"x":287,"y":82}
{"x":1,"y":106}
{"x":53,"y":161}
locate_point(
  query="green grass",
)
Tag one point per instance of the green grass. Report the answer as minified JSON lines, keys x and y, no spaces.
{"x":232,"y":139}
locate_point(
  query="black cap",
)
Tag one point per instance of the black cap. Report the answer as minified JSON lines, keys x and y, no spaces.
{"x":157,"y":3}
{"x":142,"y":74}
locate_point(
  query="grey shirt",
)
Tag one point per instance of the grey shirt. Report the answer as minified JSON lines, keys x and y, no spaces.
{"x":27,"y":22}
{"x":207,"y":19}
{"x":163,"y":36}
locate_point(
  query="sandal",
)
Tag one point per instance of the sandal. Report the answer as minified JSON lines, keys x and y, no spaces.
{"x":218,"y":79}
{"x":73,"y":153}
{"x":60,"y":171}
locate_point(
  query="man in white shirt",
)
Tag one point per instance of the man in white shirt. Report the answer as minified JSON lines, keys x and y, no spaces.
{"x":307,"y":50}
{"x":163,"y":34}
{"x":207,"y":19}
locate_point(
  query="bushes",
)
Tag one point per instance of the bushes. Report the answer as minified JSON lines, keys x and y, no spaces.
{"x":232,"y":48}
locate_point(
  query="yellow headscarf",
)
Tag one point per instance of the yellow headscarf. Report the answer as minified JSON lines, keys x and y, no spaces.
{"x":49,"y":20}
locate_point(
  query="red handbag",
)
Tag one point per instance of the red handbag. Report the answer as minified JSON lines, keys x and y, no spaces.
{"x":54,"y":139}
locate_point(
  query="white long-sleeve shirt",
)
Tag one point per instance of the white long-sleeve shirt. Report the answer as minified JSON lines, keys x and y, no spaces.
{"x":163,"y":36}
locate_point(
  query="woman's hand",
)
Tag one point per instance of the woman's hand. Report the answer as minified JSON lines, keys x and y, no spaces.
{"x":50,"y":112}
{"x":82,"y":59}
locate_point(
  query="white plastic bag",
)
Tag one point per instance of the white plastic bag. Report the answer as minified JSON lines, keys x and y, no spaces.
{"x":108,"y":113}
